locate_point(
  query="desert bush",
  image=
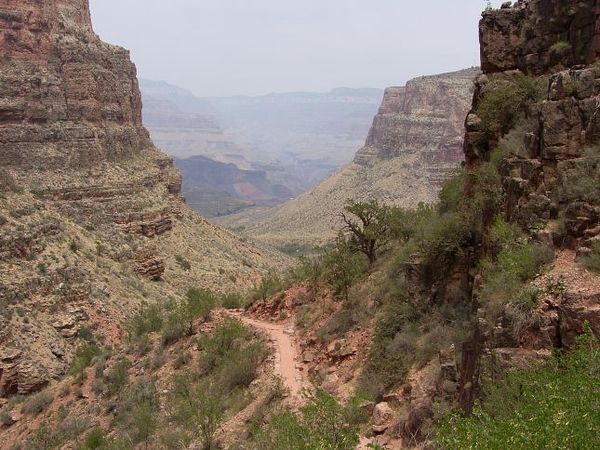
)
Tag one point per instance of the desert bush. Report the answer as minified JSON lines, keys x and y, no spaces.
{"x":505,"y":100}
{"x":198,"y":408}
{"x":37,"y":403}
{"x":392,"y":348}
{"x":118,"y":376}
{"x":323,"y":423}
{"x":270,"y":284}
{"x":83,"y":358}
{"x":232,"y":301}
{"x":550,"y":406}
{"x":95,"y":439}
{"x":6,"y":418}
{"x":452,"y":194}
{"x":241,"y":366}
{"x":183,"y":263}
{"x":580,"y":179}
{"x":148,"y":320}
{"x":342,"y":266}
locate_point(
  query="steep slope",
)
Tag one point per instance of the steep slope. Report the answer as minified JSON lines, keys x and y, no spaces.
{"x":91,"y":218}
{"x":414,"y":144}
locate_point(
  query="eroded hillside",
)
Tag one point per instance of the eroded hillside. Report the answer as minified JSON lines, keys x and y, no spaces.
{"x":91,"y":218}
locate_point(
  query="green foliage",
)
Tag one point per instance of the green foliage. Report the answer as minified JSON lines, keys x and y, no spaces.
{"x":580,"y":179}
{"x":148,"y":320}
{"x":270,"y":284}
{"x":369,"y":227}
{"x":552,"y":406}
{"x":516,"y":261}
{"x":36,"y":404}
{"x":74,"y":246}
{"x":342,"y":266}
{"x":232,"y":301}
{"x":198,"y":408}
{"x":391,"y":350}
{"x":592,"y":261}
{"x":118,"y":376}
{"x":231,"y":355}
{"x":505,"y":100}
{"x":452,"y":194}
{"x":95,"y":439}
{"x":323,"y":423}
{"x":83,"y":358}
{"x":183,"y":263}
{"x":6,"y":418}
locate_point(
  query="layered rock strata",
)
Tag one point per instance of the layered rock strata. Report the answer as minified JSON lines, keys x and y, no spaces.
{"x":91,"y":215}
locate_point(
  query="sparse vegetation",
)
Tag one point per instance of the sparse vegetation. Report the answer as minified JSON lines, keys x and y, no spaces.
{"x":183,"y":263}
{"x":37,"y":403}
{"x":322,"y":424}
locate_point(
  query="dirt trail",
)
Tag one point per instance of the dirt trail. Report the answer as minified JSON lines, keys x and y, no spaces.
{"x":285,"y":352}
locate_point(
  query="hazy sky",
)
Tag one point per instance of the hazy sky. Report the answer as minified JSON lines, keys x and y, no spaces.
{"x":228,"y":47}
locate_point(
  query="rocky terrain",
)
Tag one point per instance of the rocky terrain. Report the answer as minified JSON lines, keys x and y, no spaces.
{"x":92,"y":221}
{"x":414,"y":144}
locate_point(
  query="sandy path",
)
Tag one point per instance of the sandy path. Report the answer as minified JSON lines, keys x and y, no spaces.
{"x":285,"y":351}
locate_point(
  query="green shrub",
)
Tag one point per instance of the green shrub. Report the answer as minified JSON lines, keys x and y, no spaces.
{"x":198,"y":408}
{"x":232,"y":301}
{"x":452,"y":194}
{"x":148,"y":320}
{"x":551,"y":406}
{"x":505,"y":101}
{"x":323,"y":423}
{"x":580,"y":179}
{"x":95,"y":439}
{"x":83,"y":358}
{"x":6,"y":418}
{"x":118,"y":376}
{"x":392,"y":348}
{"x":183,"y":263}
{"x":37,"y":403}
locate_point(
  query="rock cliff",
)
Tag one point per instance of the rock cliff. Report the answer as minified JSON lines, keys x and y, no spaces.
{"x":536,"y":112}
{"x":91,"y":215}
{"x":414,"y":144}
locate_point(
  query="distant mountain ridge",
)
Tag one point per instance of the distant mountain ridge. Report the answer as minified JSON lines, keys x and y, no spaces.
{"x":293,"y":139}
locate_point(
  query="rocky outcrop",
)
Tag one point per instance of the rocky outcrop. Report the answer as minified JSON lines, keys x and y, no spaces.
{"x":84,"y":194}
{"x":536,"y":36}
{"x":414,"y":144}
{"x":424,"y":118}
{"x":549,"y":151}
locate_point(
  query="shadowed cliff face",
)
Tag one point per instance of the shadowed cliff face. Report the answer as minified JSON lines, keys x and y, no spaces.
{"x":91,"y":217}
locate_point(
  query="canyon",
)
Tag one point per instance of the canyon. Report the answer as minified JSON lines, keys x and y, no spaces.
{"x":129,"y":321}
{"x":264,"y":150}
{"x":413,"y":146}
{"x":92,"y":221}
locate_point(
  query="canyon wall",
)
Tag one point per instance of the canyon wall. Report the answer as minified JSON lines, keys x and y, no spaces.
{"x":92,"y":222}
{"x":414,"y":144}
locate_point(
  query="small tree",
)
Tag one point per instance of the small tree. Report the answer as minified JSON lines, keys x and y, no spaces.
{"x":199,"y":409}
{"x":370,"y":228}
{"x":144,"y":421}
{"x":342,"y":266}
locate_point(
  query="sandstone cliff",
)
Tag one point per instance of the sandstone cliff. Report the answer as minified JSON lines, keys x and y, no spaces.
{"x":91,"y":217}
{"x":414,"y":144}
